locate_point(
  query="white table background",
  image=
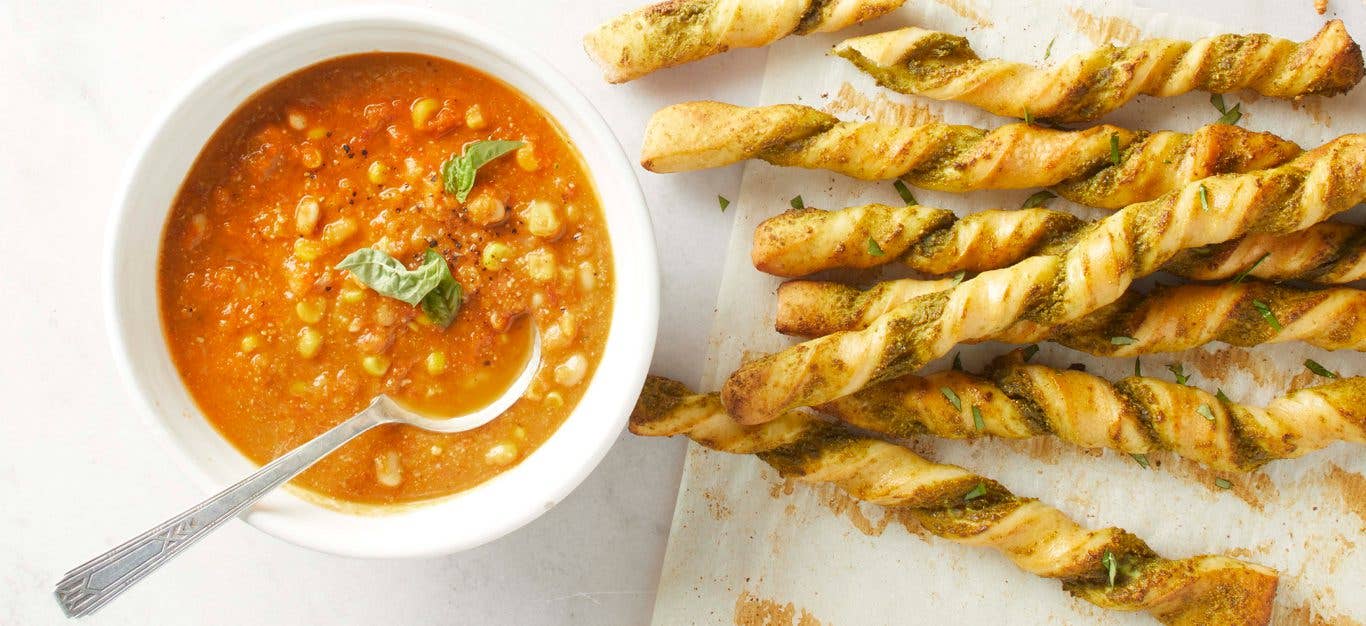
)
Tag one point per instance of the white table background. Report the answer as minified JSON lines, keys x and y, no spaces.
{"x":79,"y":83}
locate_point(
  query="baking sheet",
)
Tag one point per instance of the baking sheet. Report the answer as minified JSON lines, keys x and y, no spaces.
{"x":747,"y":547}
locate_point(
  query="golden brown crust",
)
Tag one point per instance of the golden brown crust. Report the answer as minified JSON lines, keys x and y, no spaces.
{"x":934,"y":241}
{"x":1095,"y":268}
{"x":1081,"y":165}
{"x":960,"y":506}
{"x":1089,"y":85}
{"x":1167,"y":319}
{"x":679,"y":31}
{"x":1135,"y":415}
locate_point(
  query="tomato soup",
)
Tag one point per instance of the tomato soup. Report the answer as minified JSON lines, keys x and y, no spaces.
{"x":366,"y":162}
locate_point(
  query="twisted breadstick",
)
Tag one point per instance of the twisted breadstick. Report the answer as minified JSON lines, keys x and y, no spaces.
{"x":934,"y":241}
{"x":680,"y":31}
{"x":1136,"y":414}
{"x":1082,"y":164}
{"x":1169,"y":319}
{"x":1091,"y":84}
{"x":966,"y":508}
{"x":1094,"y":270}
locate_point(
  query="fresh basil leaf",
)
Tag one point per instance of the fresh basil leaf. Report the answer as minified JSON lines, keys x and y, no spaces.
{"x":443,"y":302}
{"x":387,"y":276}
{"x":1037,"y":200}
{"x":457,"y":172}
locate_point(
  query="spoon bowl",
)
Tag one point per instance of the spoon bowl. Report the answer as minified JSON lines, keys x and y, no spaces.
{"x":86,"y":589}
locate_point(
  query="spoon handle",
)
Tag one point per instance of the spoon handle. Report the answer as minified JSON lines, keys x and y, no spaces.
{"x":89,"y":587}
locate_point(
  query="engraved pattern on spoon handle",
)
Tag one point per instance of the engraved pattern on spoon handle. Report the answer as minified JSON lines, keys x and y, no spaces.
{"x":89,"y":587}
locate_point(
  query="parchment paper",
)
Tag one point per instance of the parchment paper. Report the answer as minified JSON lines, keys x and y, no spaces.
{"x":748,"y":548}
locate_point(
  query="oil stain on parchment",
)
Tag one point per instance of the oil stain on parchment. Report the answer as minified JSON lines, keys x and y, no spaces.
{"x":1313,"y":105}
{"x":1104,"y":29}
{"x":751,"y":610}
{"x":966,"y":11}
{"x":841,"y":504}
{"x":880,"y":108}
{"x":1304,"y":615}
{"x":1352,"y":486}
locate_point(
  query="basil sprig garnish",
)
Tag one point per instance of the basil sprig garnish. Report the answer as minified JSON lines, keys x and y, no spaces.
{"x":457,"y":172}
{"x":431,"y":285}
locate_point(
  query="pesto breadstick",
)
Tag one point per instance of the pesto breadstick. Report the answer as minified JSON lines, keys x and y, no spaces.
{"x":935,"y":241}
{"x":1089,"y":85}
{"x":1103,"y":166}
{"x":1135,"y":415}
{"x":679,"y":31}
{"x":1093,"y":270}
{"x":1110,"y":567}
{"x":1167,"y":319}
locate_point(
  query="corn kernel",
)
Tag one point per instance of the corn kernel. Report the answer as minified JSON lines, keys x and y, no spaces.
{"x":375,"y":364}
{"x":306,"y":215}
{"x":496,"y":255}
{"x":297,"y":120}
{"x":310,"y":311}
{"x":310,"y":341}
{"x":377,"y":172}
{"x":316,"y":133}
{"x":351,"y":296}
{"x":519,"y":432}
{"x":541,"y":219}
{"x":338,"y":231}
{"x":307,"y":249}
{"x":554,"y":400}
{"x":200,"y":223}
{"x":571,"y":371}
{"x":486,"y":210}
{"x":540,"y":264}
{"x":474,"y":118}
{"x":251,"y":342}
{"x":389,"y":469}
{"x":436,"y":362}
{"x":501,"y":454}
{"x":299,"y":388}
{"x":423,"y":109}
{"x":527,"y":159}
{"x":311,"y":158}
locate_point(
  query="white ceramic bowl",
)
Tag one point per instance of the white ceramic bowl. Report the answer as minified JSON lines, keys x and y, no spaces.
{"x":470,"y":518}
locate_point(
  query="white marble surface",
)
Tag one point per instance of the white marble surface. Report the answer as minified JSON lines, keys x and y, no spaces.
{"x":81,"y":80}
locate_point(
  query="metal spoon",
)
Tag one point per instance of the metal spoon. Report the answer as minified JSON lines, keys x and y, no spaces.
{"x":89,"y":587}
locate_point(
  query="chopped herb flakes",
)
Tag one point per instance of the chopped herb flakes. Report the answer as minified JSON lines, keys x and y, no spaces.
{"x":977,"y":420}
{"x":1138,"y":367}
{"x":1110,"y":566}
{"x":1047,"y":52}
{"x":1205,"y":412}
{"x":1029,"y":351}
{"x":958,"y":361}
{"x":952,"y":398}
{"x":957,"y":278}
{"x":1142,"y":460}
{"x":1319,"y":369}
{"x":797,"y":203}
{"x":1222,"y":483}
{"x":905,"y":193}
{"x":1227,"y":115}
{"x":1267,"y":313}
{"x":873,"y":248}
{"x":1122,"y":341}
{"x":1028,"y":117}
{"x":1179,"y":372}
{"x":1204,"y":197}
{"x":1244,"y":274}
{"x":976,"y":492}
{"x":1039,"y":199}
{"x":1219,"y":395}
{"x":1114,"y":148}
{"x":721,"y":200}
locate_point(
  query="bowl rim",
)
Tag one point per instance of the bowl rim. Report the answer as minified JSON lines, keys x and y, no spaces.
{"x":617,"y":171}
